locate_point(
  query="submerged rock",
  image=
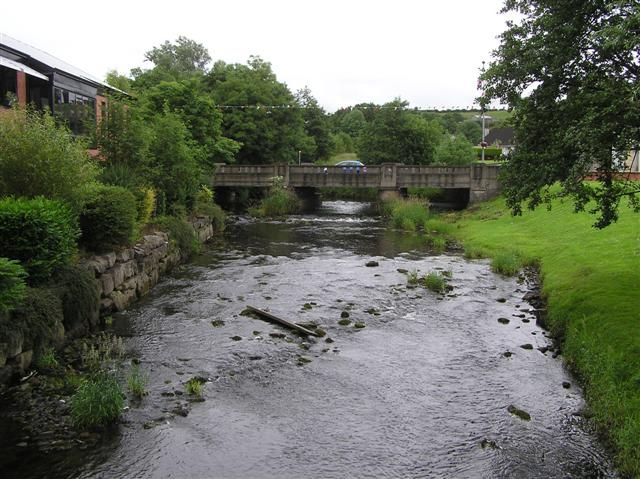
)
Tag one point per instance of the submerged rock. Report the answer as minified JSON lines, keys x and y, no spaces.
{"x":372,"y":264}
{"x":503,"y":320}
{"x":521,"y":413}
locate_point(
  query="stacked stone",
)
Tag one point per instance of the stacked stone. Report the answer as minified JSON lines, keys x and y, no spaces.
{"x":129,"y":274}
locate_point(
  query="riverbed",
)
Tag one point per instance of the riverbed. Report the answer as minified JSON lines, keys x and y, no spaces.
{"x":459,"y":384}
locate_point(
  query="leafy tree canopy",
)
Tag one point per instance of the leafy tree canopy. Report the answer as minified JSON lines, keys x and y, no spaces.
{"x":569,"y":69}
{"x":267,"y":135}
{"x":173,"y":61}
{"x":396,"y":135}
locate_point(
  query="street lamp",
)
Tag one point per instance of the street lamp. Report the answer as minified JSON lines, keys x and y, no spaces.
{"x":299,"y":155}
{"x":483,"y":144}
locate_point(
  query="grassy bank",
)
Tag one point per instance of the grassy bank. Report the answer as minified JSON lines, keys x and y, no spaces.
{"x":591,"y":281}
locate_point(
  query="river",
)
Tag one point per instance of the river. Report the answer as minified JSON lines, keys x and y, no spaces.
{"x":423,"y":390}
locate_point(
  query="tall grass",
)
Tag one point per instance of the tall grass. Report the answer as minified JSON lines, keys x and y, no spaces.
{"x":406,"y":214}
{"x":98,"y":401}
{"x":591,"y":280}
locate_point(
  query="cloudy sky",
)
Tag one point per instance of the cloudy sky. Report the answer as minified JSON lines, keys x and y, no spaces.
{"x":427,"y":52}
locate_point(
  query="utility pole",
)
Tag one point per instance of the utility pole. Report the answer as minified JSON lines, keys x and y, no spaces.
{"x":483,"y":144}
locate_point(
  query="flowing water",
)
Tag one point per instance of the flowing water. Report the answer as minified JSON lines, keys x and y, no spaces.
{"x":423,"y":390}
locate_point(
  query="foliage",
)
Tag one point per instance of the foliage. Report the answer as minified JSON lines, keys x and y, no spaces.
{"x":507,"y":263}
{"x":205,"y":206}
{"x":145,"y":203}
{"x":194,"y":386}
{"x":108,"y":218}
{"x":39,"y":319}
{"x":341,"y":143}
{"x":267,"y":135}
{"x":136,"y":382}
{"x":316,"y":126}
{"x":40,"y":158}
{"x":435,"y":281}
{"x":38,"y":232}
{"x":123,"y":137}
{"x":12,"y":284}
{"x":455,"y":151}
{"x":407,"y":214}
{"x":278,"y":202}
{"x":397,"y":136}
{"x":490,"y":152}
{"x":47,"y":359}
{"x":471,"y":130}
{"x":76,"y":287}
{"x":97,"y":402}
{"x":570,"y":70}
{"x":181,"y":234}
{"x":590,"y":279}
{"x":176,"y":172}
{"x":197,"y":111}
{"x":181,"y":59}
{"x":100,"y":350}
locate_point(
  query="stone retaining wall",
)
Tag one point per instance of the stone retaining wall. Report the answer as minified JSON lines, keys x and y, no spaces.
{"x":122,"y":278}
{"x":130,"y":274}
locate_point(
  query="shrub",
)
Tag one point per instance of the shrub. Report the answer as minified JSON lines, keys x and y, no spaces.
{"x":204,"y":205}
{"x":78,"y":292}
{"x":97,"y":402}
{"x":40,"y":158}
{"x":39,"y":233}
{"x":38,"y":319}
{"x":12,"y":284}
{"x":278,"y":202}
{"x":108,"y":218}
{"x":181,"y":234}
{"x":145,"y":203}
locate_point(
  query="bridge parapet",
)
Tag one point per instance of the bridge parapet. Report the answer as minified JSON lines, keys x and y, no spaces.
{"x":480,"y":179}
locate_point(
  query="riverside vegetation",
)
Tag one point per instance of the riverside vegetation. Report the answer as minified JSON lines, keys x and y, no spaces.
{"x":590,"y":285}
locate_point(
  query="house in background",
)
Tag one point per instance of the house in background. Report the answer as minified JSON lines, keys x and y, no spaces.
{"x":503,"y":138}
{"x":30,"y":76}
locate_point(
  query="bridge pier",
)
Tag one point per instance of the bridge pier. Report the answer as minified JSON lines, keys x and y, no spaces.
{"x":484,"y":183}
{"x":309,"y":197}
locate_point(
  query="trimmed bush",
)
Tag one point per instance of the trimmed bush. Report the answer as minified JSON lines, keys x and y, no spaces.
{"x":181,"y":234}
{"x":12,"y":284}
{"x":76,"y":287}
{"x":39,"y":233}
{"x":97,"y":402}
{"x":108,"y":218}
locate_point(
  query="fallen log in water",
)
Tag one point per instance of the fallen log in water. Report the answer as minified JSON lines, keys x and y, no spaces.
{"x":282,"y":321}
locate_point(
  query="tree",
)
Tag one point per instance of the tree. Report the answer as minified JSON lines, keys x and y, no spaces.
{"x":456,"y":151}
{"x":316,"y":126}
{"x":173,"y":61}
{"x":395,"y":135}
{"x":471,"y":130}
{"x":569,"y":69}
{"x":199,"y":114}
{"x":259,"y":112}
{"x":353,"y":123}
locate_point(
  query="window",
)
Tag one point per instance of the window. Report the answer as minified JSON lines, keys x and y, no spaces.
{"x":76,"y":110}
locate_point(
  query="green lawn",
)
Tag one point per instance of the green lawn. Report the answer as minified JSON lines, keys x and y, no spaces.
{"x":591,"y":280}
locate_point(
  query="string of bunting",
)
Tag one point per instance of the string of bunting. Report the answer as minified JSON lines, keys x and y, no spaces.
{"x":350,"y":108}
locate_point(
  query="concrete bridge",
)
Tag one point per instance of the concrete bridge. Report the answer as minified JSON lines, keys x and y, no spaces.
{"x":479,"y":181}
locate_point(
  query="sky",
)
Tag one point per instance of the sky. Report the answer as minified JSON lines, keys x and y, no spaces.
{"x":426,"y":52}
